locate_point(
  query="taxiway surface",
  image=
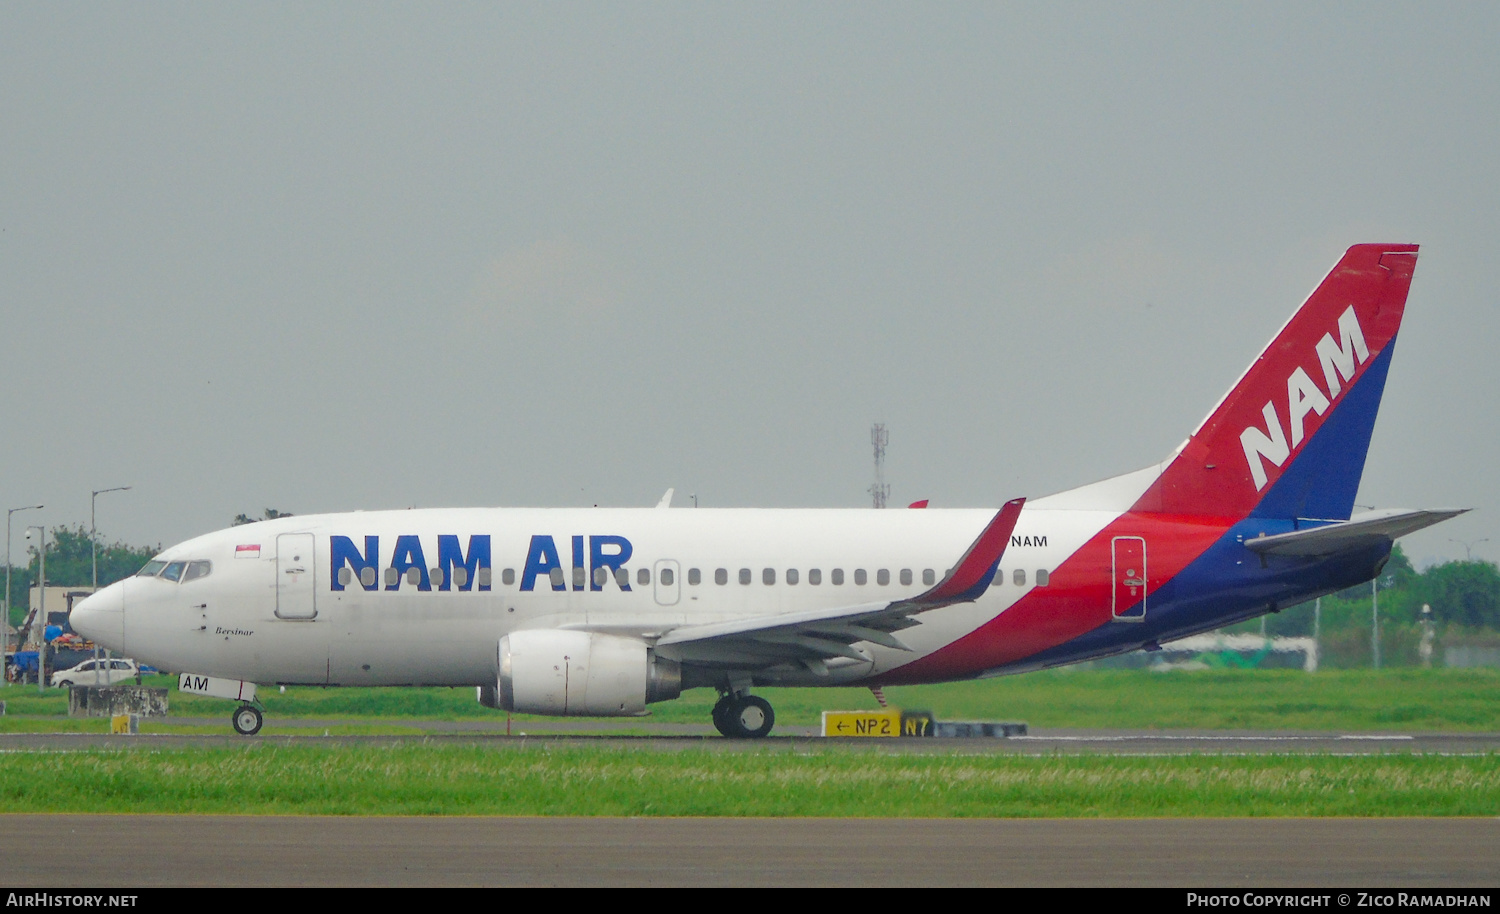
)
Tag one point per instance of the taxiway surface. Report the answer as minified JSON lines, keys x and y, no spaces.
{"x":674,"y":737}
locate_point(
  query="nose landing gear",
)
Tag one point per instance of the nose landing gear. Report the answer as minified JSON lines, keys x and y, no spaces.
{"x":743,"y":716}
{"x":246,"y":720}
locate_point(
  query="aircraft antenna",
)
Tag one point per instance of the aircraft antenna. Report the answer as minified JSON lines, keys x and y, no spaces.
{"x":881,"y":490}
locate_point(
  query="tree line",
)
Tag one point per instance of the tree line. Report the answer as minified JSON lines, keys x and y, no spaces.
{"x":70,"y":564}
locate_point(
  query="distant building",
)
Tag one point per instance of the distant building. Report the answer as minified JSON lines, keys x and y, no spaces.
{"x":60,"y":602}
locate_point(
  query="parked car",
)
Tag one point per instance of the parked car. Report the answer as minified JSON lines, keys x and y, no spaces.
{"x":107,"y":672}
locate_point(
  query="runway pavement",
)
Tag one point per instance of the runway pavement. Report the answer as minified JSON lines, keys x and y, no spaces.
{"x":145,"y":851}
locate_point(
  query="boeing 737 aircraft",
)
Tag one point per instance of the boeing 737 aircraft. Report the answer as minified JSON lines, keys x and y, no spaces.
{"x":601,"y":611}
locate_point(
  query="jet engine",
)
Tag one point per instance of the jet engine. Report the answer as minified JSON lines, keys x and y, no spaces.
{"x":580,"y":673}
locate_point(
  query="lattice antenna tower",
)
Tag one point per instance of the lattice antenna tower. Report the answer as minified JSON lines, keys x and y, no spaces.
{"x":879,"y":437}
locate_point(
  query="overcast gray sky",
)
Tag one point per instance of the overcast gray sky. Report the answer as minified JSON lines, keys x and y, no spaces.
{"x":337,"y":256}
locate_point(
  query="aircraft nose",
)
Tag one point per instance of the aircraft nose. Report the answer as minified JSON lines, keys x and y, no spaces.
{"x":101,"y":617}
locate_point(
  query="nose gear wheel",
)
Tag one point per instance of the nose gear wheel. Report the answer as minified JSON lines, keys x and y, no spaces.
{"x":246,"y":720}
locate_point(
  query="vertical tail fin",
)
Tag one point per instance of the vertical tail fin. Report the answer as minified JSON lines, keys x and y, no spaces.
{"x":1289,"y":440}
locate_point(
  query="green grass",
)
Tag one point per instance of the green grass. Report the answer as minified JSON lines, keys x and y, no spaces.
{"x":548,"y":778}
{"x":603,"y":780}
{"x":1407,"y":699}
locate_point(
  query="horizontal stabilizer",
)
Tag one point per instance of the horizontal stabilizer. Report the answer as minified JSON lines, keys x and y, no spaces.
{"x":1350,"y":534}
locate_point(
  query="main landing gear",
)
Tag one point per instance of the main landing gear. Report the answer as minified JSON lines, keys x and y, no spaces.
{"x":246,"y":720}
{"x":743,"y":716}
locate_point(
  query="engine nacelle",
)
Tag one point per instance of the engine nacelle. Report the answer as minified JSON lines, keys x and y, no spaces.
{"x":581,"y":673}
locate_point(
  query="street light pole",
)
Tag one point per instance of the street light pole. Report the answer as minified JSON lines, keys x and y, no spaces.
{"x":1468,"y":546}
{"x":40,"y":622}
{"x":93,"y":549}
{"x":5,"y":629}
{"x":1375,"y":617}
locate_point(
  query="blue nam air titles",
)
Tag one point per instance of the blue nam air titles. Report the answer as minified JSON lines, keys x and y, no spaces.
{"x":464,"y":569}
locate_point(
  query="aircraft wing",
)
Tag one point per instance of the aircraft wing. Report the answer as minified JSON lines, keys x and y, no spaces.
{"x":1359,"y":531}
{"x":816,"y":636}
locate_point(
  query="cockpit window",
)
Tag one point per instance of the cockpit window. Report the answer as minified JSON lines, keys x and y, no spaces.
{"x":152,"y":569}
{"x":197,"y":570}
{"x":173,"y":571}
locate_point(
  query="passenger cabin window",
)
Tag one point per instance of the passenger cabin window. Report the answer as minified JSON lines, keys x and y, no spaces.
{"x":814,"y":576}
{"x":906,"y":576}
{"x":507,"y":577}
{"x":460,"y":576}
{"x":622,"y":577}
{"x":578,"y":578}
{"x":928,"y":577}
{"x":1019,"y":577}
{"x":744,"y":576}
{"x":152,"y":569}
{"x":837,"y":577}
{"x":883,"y":577}
{"x":791,"y":576}
{"x":173,"y":571}
{"x":392,"y":576}
{"x":435,"y":575}
{"x":346,"y":577}
{"x":695,"y":577}
{"x":601,"y":574}
{"x":1042,"y":577}
{"x":860,"y":577}
{"x":556,"y":575}
{"x":643,"y":577}
{"x":413,"y":575}
{"x":486,"y":577}
{"x":667,"y":577}
{"x":768,"y":576}
{"x":721,"y":575}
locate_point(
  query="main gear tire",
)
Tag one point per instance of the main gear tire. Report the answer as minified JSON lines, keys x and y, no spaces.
{"x":744,"y":717}
{"x":720,"y":715}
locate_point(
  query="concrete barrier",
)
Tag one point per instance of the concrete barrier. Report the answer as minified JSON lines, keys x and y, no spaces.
{"x":958,"y":729}
{"x":114,"y":701}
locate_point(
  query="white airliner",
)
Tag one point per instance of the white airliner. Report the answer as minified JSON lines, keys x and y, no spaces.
{"x":602,"y":611}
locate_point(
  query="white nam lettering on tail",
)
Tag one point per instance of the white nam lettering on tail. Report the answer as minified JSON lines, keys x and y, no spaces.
{"x":1339,"y":360}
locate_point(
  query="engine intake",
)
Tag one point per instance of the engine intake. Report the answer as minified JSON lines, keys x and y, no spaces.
{"x":581,"y":673}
